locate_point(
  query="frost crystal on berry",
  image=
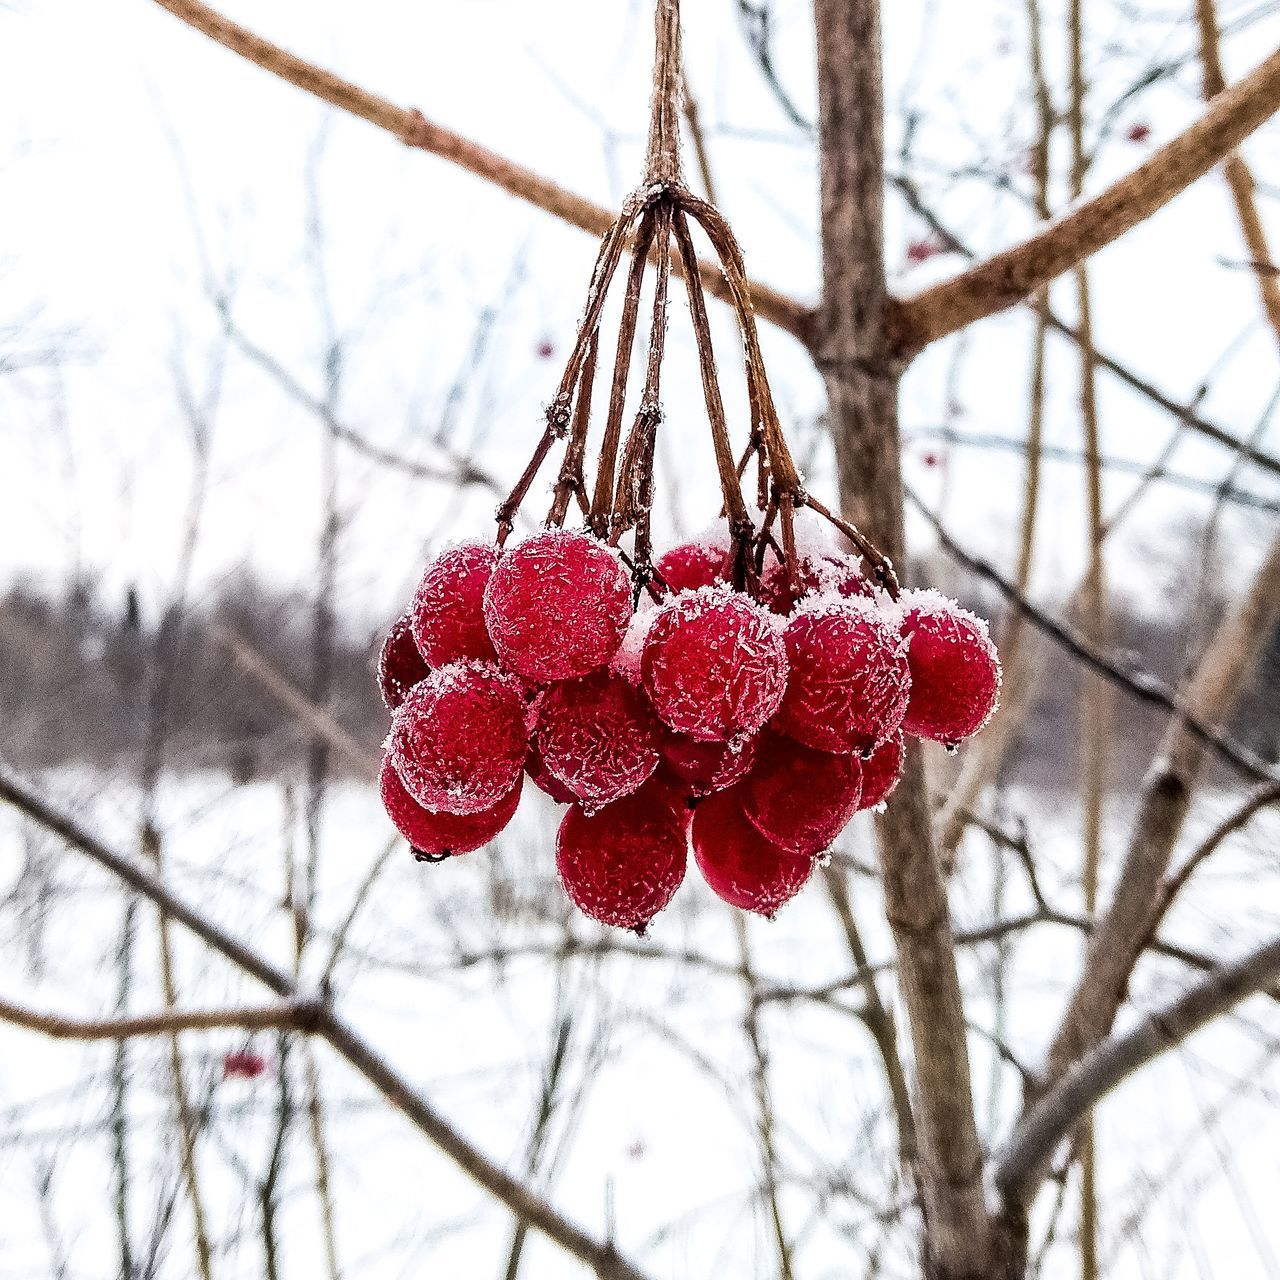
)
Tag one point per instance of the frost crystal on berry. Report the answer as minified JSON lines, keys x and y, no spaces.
{"x":849,"y":677}
{"x":799,"y":798}
{"x":597,"y":735}
{"x":693,"y":565}
{"x":448,"y":609}
{"x":955,"y":672}
{"x":557,"y":606}
{"x":738,"y":863}
{"x":400,"y":665}
{"x":440,"y":835}
{"x":459,"y":741}
{"x":714,"y":665}
{"x":829,"y":574}
{"x":704,"y":767}
{"x":880,"y":772}
{"x":622,"y":865}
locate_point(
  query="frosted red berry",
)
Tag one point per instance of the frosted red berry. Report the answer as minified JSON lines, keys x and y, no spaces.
{"x":799,"y":798}
{"x":819,"y":575}
{"x":880,"y":772}
{"x":441,"y":835}
{"x":597,"y":736}
{"x":705,"y":767}
{"x":545,"y":781}
{"x":557,"y":606}
{"x":738,"y":863}
{"x":693,"y":565}
{"x":955,"y":672}
{"x":714,"y":665}
{"x":621,"y":866}
{"x":849,"y":677}
{"x":448,"y":609}
{"x":400,"y":665}
{"x":459,"y":740}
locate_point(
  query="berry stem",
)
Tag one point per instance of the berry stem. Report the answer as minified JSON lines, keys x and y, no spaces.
{"x":633,"y":501}
{"x":603,"y":497}
{"x":571,"y":482}
{"x":662,"y":160}
{"x":739,"y":518}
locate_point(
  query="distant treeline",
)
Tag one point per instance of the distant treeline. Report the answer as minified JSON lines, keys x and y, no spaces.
{"x":95,"y":681}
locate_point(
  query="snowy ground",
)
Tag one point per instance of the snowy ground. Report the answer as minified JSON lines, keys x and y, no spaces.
{"x":655,"y":1131}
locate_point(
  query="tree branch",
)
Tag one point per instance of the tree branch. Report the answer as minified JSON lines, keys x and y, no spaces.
{"x":1012,"y":276}
{"x":415,"y":130}
{"x":296,"y":1014}
{"x":602,"y":1258}
{"x":1021,"y":1166}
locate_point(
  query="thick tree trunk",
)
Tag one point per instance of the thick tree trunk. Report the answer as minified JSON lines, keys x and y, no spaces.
{"x":851,"y":349}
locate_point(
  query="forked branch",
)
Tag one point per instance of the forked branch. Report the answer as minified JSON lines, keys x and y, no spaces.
{"x":1021,"y":1166}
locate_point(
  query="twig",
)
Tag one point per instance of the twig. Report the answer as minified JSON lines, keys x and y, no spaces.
{"x":1139,"y":684}
{"x":415,"y":130}
{"x":298,"y":1014}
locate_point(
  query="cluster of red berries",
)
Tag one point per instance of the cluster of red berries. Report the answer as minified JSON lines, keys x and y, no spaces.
{"x":753,"y":728}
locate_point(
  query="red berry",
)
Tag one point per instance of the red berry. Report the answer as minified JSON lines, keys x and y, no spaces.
{"x":557,"y":606}
{"x":243,"y":1064}
{"x":849,"y":677}
{"x":441,"y":835}
{"x":400,"y":665}
{"x":546,"y":349}
{"x":544,"y":780}
{"x":880,"y":772}
{"x":738,"y":863}
{"x":1139,"y":131}
{"x":955,"y":673}
{"x":798,"y":798}
{"x":704,"y":767}
{"x":830,"y":573}
{"x":922,"y":250}
{"x":459,"y":740}
{"x":597,"y":735}
{"x":448,"y":609}
{"x":622,"y":865}
{"x":694,"y":564}
{"x":714,"y":665}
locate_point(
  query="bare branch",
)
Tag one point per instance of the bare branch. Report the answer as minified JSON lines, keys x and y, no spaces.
{"x":1021,"y":1166}
{"x":601,"y":1257}
{"x":1014,"y":275}
{"x":294,"y":1014}
{"x":415,"y":130}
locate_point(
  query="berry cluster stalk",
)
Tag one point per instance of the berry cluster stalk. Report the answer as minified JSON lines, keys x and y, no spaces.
{"x":660,"y":211}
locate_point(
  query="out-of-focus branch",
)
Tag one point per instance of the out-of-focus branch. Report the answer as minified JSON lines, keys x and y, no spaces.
{"x":415,"y":130}
{"x":1236,"y":171}
{"x":1211,"y":692}
{"x":1014,"y":275}
{"x":601,"y":1257}
{"x":57,"y":1027}
{"x":316,"y":718}
{"x":1020,"y":1167}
